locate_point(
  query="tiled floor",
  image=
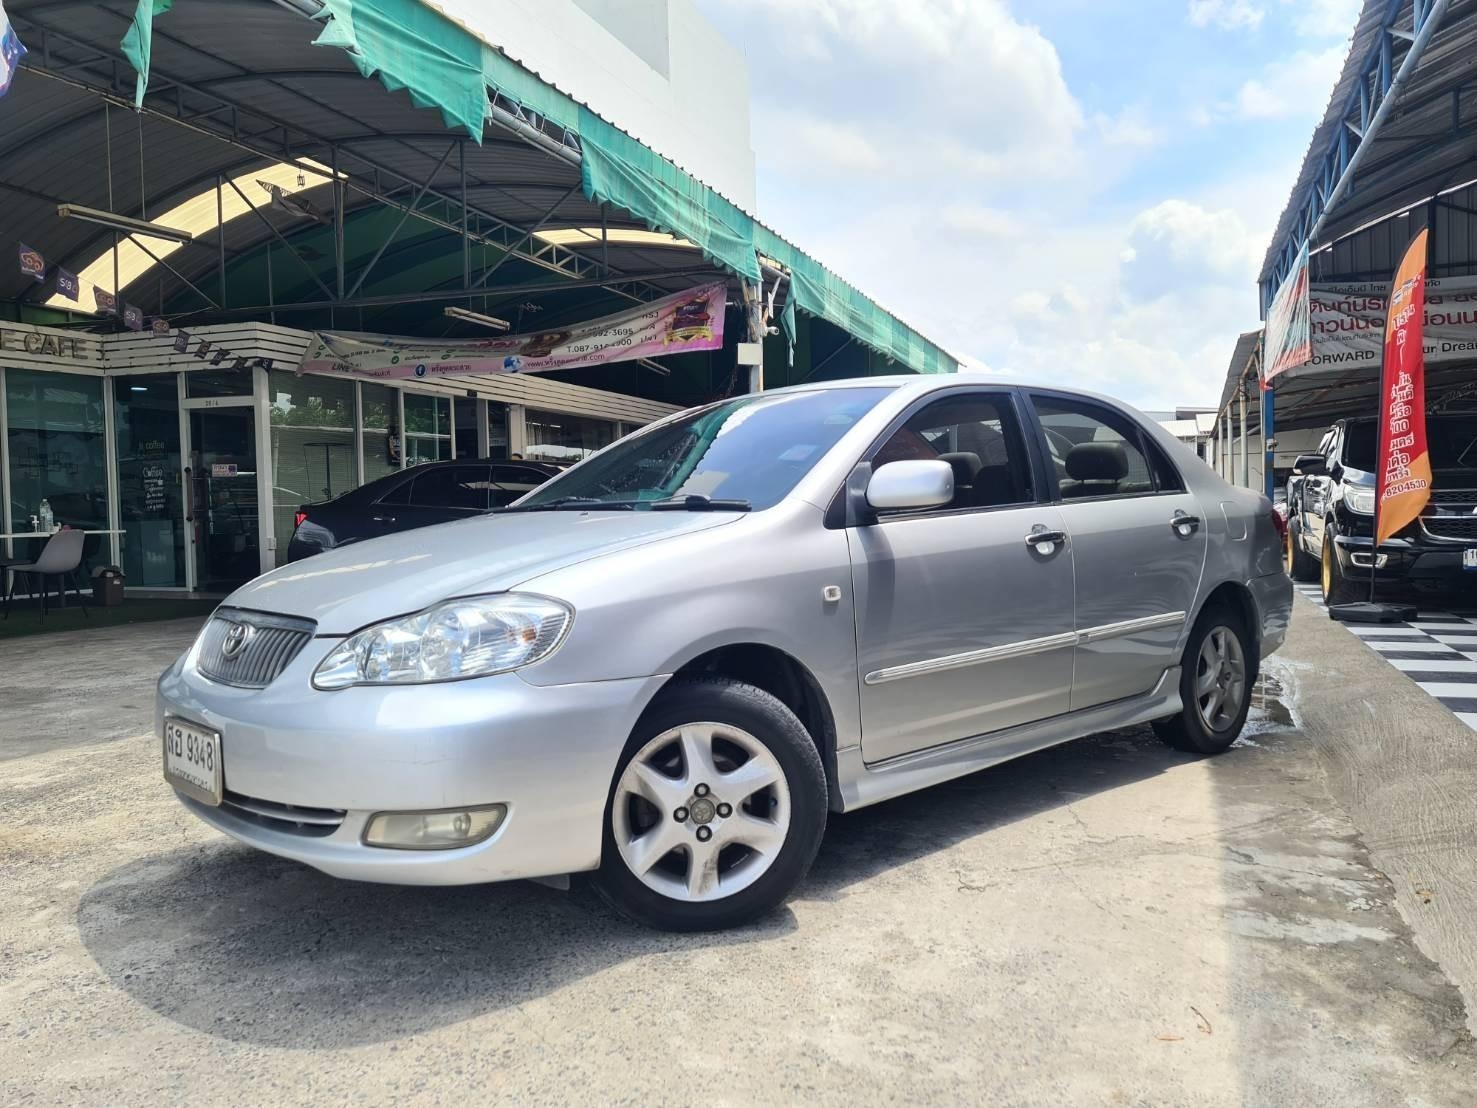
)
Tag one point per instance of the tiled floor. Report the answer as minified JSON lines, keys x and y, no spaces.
{"x":1438,"y":652}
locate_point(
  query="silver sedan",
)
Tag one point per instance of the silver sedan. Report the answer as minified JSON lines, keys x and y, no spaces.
{"x":668,"y":665}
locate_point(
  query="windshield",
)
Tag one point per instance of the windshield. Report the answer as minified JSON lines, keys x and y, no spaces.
{"x":1452,"y":441}
{"x":745,"y":453}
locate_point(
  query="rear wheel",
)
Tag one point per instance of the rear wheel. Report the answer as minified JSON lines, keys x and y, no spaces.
{"x":716,"y":810}
{"x":1337,"y":589}
{"x":1216,"y":675}
{"x":1300,"y":564}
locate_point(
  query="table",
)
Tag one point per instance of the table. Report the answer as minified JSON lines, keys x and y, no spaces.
{"x":47,"y":534}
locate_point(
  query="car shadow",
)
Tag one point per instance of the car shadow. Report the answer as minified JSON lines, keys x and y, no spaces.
{"x":256,"y":949}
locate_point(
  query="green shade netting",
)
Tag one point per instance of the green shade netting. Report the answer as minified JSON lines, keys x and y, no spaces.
{"x":616,"y":169}
{"x":515,"y":83}
{"x":413,"y":47}
{"x":819,"y":292}
{"x":138,"y":43}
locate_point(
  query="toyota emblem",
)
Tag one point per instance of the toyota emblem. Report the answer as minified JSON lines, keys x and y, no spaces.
{"x":236,"y":639}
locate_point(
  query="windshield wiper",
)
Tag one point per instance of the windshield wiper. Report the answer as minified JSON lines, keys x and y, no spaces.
{"x":700,"y":504}
{"x":573,"y":504}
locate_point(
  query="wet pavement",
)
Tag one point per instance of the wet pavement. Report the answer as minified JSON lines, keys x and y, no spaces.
{"x":1106,"y":922}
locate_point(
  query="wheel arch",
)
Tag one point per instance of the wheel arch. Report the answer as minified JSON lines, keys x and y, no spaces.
{"x":1235,"y":597}
{"x":784,"y":677}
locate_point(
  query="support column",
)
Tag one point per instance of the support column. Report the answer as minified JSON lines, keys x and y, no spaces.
{"x":517,"y":431}
{"x":754,"y":308}
{"x":1245,"y":442}
{"x":1269,"y":434}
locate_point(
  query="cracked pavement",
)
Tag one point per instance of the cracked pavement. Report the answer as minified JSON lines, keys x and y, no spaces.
{"x":1105,"y":923}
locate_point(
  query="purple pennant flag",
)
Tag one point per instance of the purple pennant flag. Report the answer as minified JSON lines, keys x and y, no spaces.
{"x":220,"y":355}
{"x":105,"y":301}
{"x":203,"y":349}
{"x":67,"y":284}
{"x":133,"y":316}
{"x":33,"y":265}
{"x":160,"y":326}
{"x":182,"y":341}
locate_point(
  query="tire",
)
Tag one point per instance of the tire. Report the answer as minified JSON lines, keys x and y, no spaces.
{"x":722,"y":736}
{"x":1337,"y":589}
{"x":1195,"y":730}
{"x":1301,"y":566}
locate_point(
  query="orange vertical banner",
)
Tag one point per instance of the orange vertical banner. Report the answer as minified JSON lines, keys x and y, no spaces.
{"x":1404,"y":474}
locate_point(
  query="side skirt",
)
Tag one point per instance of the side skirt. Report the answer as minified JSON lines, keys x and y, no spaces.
{"x":862,"y":784}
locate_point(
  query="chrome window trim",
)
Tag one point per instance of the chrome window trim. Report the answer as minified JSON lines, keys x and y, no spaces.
{"x":1024,"y":648}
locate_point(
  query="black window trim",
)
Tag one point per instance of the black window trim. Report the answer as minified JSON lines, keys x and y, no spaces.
{"x":1045,"y":449}
{"x":836,"y":513}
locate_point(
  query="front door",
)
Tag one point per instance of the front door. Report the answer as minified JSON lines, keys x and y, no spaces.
{"x":222,"y":510}
{"x":1138,"y":544}
{"x":963,"y":622}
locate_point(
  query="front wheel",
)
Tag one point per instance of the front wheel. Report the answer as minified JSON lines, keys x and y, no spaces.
{"x":716,"y":811}
{"x":1337,"y":589}
{"x":1215,"y":686}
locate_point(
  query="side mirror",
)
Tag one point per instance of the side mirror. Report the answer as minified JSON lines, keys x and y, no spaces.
{"x":911,"y":484}
{"x":1310,"y":465}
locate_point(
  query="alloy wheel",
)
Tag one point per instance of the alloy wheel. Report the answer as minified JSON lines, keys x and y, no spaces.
{"x":701,"y":812}
{"x":1220,"y":678}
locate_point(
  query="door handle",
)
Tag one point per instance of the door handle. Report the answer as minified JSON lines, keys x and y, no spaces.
{"x":1044,"y":540}
{"x":383,"y":519}
{"x":1184,"y":524}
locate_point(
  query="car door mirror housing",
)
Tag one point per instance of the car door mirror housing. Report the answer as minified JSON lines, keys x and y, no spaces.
{"x":1309,"y":465}
{"x":911,"y":484}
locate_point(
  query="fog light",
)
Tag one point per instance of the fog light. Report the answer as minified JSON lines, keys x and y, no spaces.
{"x":443,"y":830}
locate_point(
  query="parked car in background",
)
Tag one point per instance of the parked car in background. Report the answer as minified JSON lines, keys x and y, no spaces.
{"x":437,"y":492}
{"x":669,"y":663}
{"x":1330,"y":527}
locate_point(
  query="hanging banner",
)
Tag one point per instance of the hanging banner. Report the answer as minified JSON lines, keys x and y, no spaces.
{"x":1288,"y":342}
{"x":11,"y":51}
{"x":67,"y":284}
{"x":133,"y":317}
{"x":105,"y":301}
{"x":1403,"y":477}
{"x":33,"y":265}
{"x":677,"y":324}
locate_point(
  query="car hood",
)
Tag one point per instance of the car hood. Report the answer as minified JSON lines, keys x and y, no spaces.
{"x":364,"y":582}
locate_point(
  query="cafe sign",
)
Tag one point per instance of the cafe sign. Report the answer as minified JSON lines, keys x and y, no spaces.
{"x":47,"y":344}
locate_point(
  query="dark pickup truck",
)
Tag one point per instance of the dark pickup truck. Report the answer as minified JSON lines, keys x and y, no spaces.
{"x":1330,"y":511}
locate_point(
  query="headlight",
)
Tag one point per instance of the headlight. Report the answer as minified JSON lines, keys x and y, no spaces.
{"x":1359,"y":500}
{"x":472,"y":637}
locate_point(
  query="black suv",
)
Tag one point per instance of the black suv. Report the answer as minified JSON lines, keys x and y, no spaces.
{"x":1330,"y":509}
{"x":437,"y":492}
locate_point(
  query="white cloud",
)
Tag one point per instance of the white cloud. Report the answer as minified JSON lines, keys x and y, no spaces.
{"x":1228,"y":15}
{"x":1299,"y":85}
{"x":1326,"y":18}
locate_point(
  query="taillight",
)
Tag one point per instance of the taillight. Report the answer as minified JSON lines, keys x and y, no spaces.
{"x":1280,"y":523}
{"x":298,"y":517}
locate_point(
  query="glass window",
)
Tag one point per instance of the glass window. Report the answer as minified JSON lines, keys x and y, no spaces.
{"x":227,"y":381}
{"x":57,"y":453}
{"x":427,"y":428}
{"x":150,"y":497}
{"x":511,"y":482}
{"x":554,"y":437}
{"x":978,"y":436}
{"x":497,"y":431}
{"x":452,"y":487}
{"x":312,"y":445}
{"x":467,"y":441}
{"x":751,"y":449}
{"x":380,"y":405}
{"x":1094,"y":450}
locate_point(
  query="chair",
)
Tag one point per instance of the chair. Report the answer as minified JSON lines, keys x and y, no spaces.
{"x":60,"y":558}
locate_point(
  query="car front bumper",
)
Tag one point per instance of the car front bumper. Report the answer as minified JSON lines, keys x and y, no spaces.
{"x":546,"y":752}
{"x":1418,"y":565}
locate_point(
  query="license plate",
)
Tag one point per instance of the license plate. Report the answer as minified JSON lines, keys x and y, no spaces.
{"x":192,"y":760}
{"x":1469,"y":558}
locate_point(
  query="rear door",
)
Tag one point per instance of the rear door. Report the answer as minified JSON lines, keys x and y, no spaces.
{"x":963,"y":613}
{"x":1138,"y":544}
{"x":441,"y":494}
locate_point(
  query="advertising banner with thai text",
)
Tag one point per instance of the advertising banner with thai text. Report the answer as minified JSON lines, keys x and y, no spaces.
{"x":677,"y":324}
{"x":1348,"y":324}
{"x":1403,"y":479}
{"x":1288,"y":342}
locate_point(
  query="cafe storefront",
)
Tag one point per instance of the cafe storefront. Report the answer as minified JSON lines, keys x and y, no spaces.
{"x":187,"y":475}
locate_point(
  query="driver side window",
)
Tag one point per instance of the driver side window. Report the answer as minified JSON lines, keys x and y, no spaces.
{"x":977,"y":434}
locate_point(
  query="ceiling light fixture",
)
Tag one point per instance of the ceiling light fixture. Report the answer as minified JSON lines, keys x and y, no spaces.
{"x":123,"y":223}
{"x":478,"y":318}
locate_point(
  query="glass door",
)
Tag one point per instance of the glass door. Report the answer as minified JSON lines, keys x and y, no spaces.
{"x":221,"y":509}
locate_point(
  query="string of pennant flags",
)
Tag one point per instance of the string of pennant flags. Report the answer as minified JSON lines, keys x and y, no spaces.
{"x":33,"y":265}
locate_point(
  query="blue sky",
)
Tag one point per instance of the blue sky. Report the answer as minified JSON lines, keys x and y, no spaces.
{"x":1074,"y":191}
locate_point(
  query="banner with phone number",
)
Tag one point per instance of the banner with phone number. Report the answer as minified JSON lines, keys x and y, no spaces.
{"x":677,"y":324}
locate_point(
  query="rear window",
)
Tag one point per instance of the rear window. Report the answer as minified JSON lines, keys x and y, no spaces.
{"x":1452,"y":441}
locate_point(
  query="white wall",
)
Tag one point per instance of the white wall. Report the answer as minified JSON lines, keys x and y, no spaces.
{"x":655,"y":68}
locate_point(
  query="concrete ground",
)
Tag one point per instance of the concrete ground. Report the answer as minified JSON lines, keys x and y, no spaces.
{"x":1105,"y":923}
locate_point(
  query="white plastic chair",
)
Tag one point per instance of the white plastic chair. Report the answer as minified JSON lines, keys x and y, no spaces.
{"x":60,"y":558}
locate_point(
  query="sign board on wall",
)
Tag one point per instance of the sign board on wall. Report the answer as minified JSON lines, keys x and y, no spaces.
{"x":61,"y":346}
{"x":1348,"y":324}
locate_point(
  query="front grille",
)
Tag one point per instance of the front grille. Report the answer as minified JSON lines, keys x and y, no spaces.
{"x":249,"y":649}
{"x":1450,"y":527}
{"x":1454,"y":496}
{"x":314,"y":823}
